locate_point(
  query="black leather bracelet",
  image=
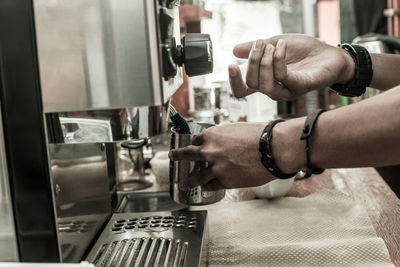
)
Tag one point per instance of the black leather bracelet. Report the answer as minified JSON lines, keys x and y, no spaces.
{"x":265,"y":149}
{"x":305,"y":135}
{"x":362,"y":74}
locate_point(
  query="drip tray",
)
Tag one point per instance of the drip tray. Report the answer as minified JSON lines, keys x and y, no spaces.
{"x":147,"y":201}
{"x":169,"y":238}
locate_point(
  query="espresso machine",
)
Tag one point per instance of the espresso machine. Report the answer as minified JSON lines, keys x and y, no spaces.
{"x":78,"y":79}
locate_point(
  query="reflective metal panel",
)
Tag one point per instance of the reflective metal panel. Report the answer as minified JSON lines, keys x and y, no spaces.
{"x":8,"y":239}
{"x":81,"y":188}
{"x":98,"y":54}
{"x":106,"y":125}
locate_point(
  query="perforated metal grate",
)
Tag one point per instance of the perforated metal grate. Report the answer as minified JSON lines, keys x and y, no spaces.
{"x":152,"y":239}
{"x":154,"y":223}
{"x":142,"y":252}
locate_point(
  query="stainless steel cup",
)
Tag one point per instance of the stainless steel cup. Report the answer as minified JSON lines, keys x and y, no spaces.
{"x":180,"y":171}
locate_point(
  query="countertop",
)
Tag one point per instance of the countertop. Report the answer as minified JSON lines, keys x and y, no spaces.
{"x":367,"y":187}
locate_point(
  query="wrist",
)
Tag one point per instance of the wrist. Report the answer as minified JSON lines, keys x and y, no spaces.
{"x":288,"y":150}
{"x":348,"y":68}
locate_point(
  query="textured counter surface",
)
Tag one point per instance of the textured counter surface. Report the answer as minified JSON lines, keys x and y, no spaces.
{"x":368,"y":189}
{"x":365,"y":188}
{"x":326,"y":228}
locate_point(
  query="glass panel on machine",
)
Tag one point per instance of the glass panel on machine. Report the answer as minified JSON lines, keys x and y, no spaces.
{"x":106,"y":125}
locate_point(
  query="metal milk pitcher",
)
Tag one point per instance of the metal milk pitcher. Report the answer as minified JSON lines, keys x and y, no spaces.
{"x":180,"y":170}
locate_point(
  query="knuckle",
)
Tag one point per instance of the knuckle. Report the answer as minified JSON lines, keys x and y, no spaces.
{"x":266,"y":64}
{"x":278,"y":56}
{"x":253,"y":59}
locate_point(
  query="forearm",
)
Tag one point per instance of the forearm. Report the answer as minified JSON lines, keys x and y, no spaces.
{"x":386,"y":71}
{"x":359,"y":135}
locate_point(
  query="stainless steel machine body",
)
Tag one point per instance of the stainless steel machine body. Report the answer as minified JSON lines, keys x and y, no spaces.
{"x":101,"y":54}
{"x":77,"y":77}
{"x":82,"y":191}
{"x":101,"y":80}
{"x":101,"y":61}
{"x":8,"y":240}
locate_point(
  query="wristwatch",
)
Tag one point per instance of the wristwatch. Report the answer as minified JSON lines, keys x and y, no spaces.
{"x":362,"y":75}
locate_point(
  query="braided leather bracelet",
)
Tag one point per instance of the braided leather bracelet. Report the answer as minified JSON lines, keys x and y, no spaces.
{"x":265,"y":149}
{"x":306,"y":133}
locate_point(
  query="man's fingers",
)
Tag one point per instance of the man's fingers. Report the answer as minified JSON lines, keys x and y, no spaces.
{"x":243,"y":50}
{"x":186,"y":153}
{"x":266,"y":85}
{"x":198,"y":178}
{"x":239,"y":88}
{"x":280,"y":68}
{"x":214,"y":185}
{"x":253,"y":67}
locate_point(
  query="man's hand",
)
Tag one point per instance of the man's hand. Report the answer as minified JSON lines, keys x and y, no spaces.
{"x":287,"y":66}
{"x":231,"y":151}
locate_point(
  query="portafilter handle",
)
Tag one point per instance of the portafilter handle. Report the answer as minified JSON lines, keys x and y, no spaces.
{"x":195,"y":53}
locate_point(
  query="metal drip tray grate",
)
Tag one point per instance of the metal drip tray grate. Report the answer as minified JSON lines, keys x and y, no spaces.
{"x":152,"y":239}
{"x":142,"y":252}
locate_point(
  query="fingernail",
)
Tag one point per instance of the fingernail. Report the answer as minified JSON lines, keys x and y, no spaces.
{"x":259,"y":44}
{"x":232,"y":72}
{"x":171,"y":155}
{"x":270,"y":48}
{"x":280,"y":43}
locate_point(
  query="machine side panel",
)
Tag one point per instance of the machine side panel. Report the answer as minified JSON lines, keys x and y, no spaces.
{"x":82,"y":192}
{"x":8,"y":238}
{"x":96,"y":54}
{"x":24,"y":135}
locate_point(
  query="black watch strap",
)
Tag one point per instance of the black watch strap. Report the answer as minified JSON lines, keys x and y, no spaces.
{"x":265,"y":149}
{"x":362,"y":74}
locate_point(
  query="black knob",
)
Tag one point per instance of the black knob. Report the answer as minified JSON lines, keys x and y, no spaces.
{"x":196,"y":53}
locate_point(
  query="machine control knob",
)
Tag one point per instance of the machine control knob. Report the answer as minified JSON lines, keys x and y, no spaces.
{"x":195,"y":53}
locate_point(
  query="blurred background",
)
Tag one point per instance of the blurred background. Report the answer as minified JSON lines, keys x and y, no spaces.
{"x":371,"y":23}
